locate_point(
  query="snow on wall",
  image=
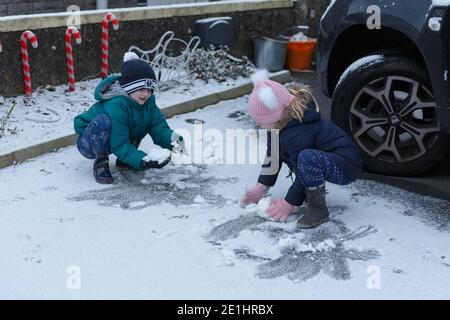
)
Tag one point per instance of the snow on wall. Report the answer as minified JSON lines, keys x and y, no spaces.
{"x":441,"y":2}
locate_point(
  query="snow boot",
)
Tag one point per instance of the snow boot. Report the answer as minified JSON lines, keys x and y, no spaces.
{"x":101,"y":169}
{"x":316,"y":212}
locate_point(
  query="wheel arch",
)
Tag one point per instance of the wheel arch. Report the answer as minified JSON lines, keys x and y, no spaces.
{"x":386,"y":40}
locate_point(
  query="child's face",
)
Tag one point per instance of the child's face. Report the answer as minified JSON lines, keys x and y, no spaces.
{"x":141,"y":96}
{"x":269,"y":126}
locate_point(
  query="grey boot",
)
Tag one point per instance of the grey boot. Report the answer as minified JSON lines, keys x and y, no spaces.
{"x":317,"y":212}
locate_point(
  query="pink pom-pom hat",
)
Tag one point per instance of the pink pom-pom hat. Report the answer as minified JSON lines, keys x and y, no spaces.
{"x":268,"y":100}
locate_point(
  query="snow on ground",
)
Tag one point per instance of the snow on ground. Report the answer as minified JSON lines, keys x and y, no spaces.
{"x":49,"y":114}
{"x":179,"y":233}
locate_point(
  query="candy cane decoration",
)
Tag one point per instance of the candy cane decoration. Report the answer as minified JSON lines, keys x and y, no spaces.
{"x":109,"y":17}
{"x":69,"y":57}
{"x":27,"y":35}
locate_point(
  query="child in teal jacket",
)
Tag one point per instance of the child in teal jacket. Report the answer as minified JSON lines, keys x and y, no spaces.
{"x":125,"y":112}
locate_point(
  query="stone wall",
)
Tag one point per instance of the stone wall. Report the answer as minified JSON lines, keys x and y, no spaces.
{"x":309,"y":12}
{"x":306,"y":10}
{"x":48,"y":64}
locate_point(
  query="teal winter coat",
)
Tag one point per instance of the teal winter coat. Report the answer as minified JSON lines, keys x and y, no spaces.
{"x":130,"y":121}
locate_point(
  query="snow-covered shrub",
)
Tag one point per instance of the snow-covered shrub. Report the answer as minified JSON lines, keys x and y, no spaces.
{"x":218,"y":64}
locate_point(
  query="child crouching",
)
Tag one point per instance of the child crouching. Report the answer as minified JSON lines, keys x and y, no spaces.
{"x":314,"y":149}
{"x":125,"y":113}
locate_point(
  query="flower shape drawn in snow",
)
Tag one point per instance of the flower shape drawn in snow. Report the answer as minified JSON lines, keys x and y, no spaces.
{"x":302,"y":265}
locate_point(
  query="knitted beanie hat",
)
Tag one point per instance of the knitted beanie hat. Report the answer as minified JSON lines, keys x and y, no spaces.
{"x":268,"y":99}
{"x":136,"y":74}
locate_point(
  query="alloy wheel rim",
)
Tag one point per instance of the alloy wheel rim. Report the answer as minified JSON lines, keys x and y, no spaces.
{"x":394,"y":119}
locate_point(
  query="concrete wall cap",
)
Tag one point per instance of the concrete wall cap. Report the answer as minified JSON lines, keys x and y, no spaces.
{"x":53,"y":20}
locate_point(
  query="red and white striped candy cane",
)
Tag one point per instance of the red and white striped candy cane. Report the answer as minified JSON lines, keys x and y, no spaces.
{"x":27,"y":35}
{"x":69,"y":57}
{"x":109,"y":17}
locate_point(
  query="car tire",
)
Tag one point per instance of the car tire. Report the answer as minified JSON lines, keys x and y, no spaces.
{"x":386,"y":103}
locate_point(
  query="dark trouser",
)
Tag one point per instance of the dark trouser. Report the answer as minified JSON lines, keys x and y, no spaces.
{"x":95,"y":139}
{"x":315,"y":167}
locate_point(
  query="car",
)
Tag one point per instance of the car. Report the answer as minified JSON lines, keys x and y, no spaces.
{"x":386,"y":68}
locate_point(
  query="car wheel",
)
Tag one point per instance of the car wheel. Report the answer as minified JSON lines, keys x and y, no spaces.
{"x":387,"y":105}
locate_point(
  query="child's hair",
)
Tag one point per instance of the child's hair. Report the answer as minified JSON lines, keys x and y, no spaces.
{"x":303,"y":96}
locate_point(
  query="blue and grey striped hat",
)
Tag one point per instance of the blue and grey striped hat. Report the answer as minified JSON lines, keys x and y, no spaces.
{"x":136,"y":74}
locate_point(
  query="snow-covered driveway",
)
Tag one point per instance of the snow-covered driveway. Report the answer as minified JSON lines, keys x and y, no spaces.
{"x":179,"y":233}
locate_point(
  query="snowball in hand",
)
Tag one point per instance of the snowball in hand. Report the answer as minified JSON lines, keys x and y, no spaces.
{"x":157,"y":154}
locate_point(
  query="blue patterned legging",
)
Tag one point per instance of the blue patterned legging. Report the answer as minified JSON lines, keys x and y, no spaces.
{"x":315,"y":167}
{"x":95,"y":138}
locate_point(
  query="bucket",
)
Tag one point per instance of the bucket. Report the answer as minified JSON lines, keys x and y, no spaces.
{"x":270,"y":53}
{"x":299,"y":54}
{"x":300,"y":48}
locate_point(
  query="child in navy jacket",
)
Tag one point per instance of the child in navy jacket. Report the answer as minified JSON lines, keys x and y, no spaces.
{"x":314,"y":149}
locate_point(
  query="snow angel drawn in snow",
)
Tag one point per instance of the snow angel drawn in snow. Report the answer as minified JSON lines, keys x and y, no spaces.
{"x":314,"y":149}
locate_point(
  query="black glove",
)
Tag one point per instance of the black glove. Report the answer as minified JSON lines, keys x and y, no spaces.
{"x":155,"y":164}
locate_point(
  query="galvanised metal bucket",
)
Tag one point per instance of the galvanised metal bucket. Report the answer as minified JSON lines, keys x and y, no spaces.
{"x":270,"y":53}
